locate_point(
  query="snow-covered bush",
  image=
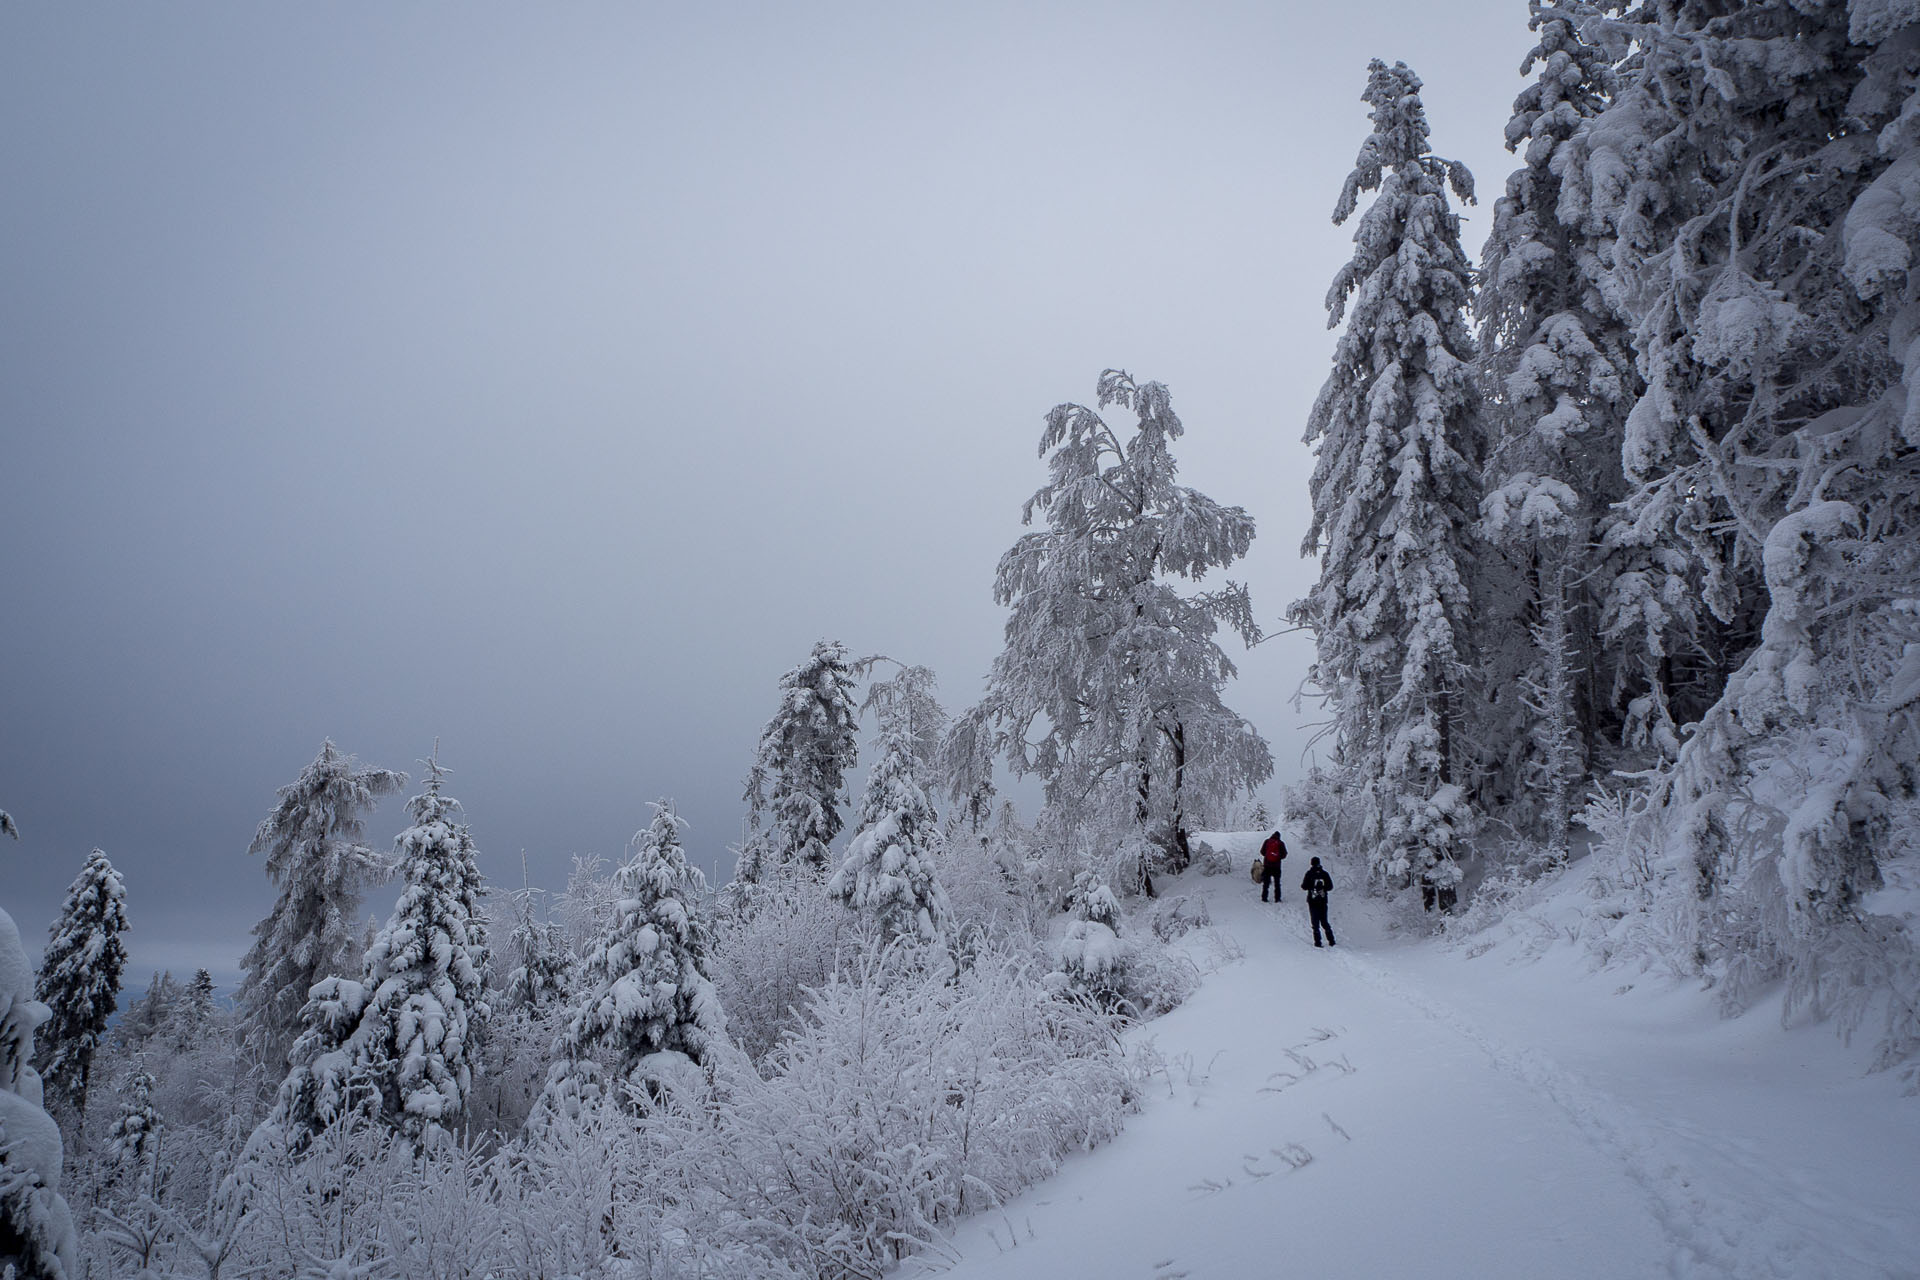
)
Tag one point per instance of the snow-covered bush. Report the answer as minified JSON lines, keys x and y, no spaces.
{"x":1099,"y":959}
{"x":989,"y":891}
{"x":1171,"y":918}
{"x":768,"y":957}
{"x":902,"y":1100}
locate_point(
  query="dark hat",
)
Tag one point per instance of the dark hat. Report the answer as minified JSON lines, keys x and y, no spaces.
{"x":1316,"y":862}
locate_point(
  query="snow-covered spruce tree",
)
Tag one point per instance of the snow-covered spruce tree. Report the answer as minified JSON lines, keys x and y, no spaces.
{"x":1732,"y":138}
{"x":405,"y":1036}
{"x":1108,"y":688}
{"x":80,"y":980}
{"x":794,"y":789}
{"x":1091,"y":956}
{"x":312,"y":842}
{"x":1557,"y":357}
{"x":7,"y":825}
{"x":543,"y":966}
{"x":36,"y":1230}
{"x":194,"y":1012}
{"x":1394,"y":494}
{"x":1779,"y":342}
{"x":646,"y":1003}
{"x":133,"y":1144}
{"x":887,"y":874}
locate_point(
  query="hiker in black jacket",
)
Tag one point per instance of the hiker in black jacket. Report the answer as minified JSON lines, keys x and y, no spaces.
{"x":1318,"y":885}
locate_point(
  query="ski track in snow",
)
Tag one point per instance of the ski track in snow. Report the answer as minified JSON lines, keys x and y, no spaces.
{"x":1764,"y":1231}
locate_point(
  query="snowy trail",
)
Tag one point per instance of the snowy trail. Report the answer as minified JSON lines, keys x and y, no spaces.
{"x":1339,"y":1113}
{"x":1746,"y":1219}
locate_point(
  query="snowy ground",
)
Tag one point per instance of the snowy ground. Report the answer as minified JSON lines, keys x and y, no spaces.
{"x":1403,"y":1108}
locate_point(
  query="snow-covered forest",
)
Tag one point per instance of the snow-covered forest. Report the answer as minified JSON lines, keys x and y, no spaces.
{"x":1617,"y":648}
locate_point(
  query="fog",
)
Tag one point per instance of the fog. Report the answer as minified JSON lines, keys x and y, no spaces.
{"x":545,"y":381}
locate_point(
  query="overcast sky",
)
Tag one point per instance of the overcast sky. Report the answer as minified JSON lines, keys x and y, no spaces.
{"x":547,"y":379}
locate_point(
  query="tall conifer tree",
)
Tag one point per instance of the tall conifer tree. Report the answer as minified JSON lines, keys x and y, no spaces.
{"x":80,"y":978}
{"x":314,"y":852}
{"x":800,"y":768}
{"x":1394,"y":494}
{"x":402,"y":1040}
{"x":1560,"y":380}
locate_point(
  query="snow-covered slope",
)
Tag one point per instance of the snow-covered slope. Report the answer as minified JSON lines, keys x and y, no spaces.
{"x":1408,"y":1108}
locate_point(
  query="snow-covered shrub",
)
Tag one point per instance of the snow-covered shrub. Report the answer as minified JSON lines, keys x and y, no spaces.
{"x":1099,"y":959}
{"x":1319,"y":809}
{"x":988,"y":890}
{"x":1632,"y":914}
{"x":766,"y":957}
{"x":902,"y":1100}
{"x":517,"y":1052}
{"x":1171,"y":918}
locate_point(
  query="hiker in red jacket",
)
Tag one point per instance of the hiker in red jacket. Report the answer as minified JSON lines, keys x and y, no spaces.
{"x":1272,"y":854}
